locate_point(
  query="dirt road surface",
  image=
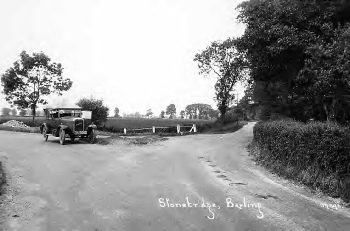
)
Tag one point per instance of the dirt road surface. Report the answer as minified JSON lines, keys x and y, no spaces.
{"x":121,"y":187}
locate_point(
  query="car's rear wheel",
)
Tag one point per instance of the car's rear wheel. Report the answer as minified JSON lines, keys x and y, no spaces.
{"x":92,"y":136}
{"x":62,"y":136}
{"x":45,"y":133}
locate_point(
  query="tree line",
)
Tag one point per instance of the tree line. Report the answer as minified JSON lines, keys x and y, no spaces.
{"x":192,"y":111}
{"x":294,"y":58}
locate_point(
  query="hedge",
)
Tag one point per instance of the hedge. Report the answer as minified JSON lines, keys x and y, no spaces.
{"x":316,"y":153}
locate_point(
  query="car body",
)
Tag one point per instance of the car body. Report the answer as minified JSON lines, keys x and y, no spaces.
{"x":68,"y":122}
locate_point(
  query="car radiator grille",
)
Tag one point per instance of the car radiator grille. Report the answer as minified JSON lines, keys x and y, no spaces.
{"x":79,"y":125}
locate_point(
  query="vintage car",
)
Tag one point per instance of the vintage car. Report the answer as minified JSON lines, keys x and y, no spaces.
{"x":68,"y":122}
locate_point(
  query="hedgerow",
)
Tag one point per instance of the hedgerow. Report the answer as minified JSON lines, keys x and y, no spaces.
{"x":316,"y":153}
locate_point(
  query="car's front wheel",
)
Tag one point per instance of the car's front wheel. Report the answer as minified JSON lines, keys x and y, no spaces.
{"x":62,"y":136}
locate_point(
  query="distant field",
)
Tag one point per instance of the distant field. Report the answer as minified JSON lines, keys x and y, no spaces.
{"x":118,"y":122}
{"x":148,"y":123}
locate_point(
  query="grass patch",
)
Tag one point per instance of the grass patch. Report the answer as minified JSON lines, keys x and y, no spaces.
{"x":131,"y":140}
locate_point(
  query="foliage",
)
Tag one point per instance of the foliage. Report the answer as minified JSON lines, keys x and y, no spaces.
{"x":171,"y":110}
{"x":198,"y":111}
{"x":229,"y":66}
{"x":99,"y":111}
{"x":162,"y":114}
{"x":31,"y":79}
{"x":13,"y":112}
{"x":23,"y":112}
{"x":230,"y":117}
{"x":6,"y":111}
{"x":321,"y":149}
{"x":116,"y":113}
{"x":299,"y":64}
{"x":149,"y":113}
{"x":182,"y":114}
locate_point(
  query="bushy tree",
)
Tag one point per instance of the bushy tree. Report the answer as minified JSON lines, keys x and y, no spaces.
{"x":223,"y":60}
{"x":149,"y":113}
{"x":182,"y":114}
{"x":32,"y":78}
{"x":162,"y":114}
{"x":14,"y":112}
{"x":213,"y":114}
{"x":171,"y":110}
{"x":299,"y":64}
{"x":6,"y":111}
{"x":99,"y":111}
{"x":198,"y":110}
{"x":116,"y":113}
{"x":23,"y":112}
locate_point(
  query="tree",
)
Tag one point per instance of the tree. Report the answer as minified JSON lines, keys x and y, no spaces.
{"x":14,"y":111}
{"x":198,"y":111}
{"x":23,"y":112}
{"x":31,"y":79}
{"x":137,"y":115}
{"x":213,"y":114}
{"x":149,"y":113}
{"x":162,"y":114}
{"x":182,"y":114}
{"x":229,"y":66}
{"x":116,"y":113}
{"x":99,"y":111}
{"x":6,"y":111}
{"x":171,"y":110}
{"x":298,"y":63}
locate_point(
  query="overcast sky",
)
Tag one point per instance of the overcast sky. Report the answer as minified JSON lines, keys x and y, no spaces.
{"x":135,"y":54}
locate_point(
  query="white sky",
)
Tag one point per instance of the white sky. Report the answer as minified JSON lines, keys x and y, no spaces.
{"x":135,"y":54}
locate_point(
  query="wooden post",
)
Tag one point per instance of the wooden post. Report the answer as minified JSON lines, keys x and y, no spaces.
{"x":178,"y":128}
{"x":194,"y":128}
{"x":154,"y":129}
{"x":124,"y":130}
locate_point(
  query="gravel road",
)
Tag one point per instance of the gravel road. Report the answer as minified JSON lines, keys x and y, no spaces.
{"x":198,"y":182}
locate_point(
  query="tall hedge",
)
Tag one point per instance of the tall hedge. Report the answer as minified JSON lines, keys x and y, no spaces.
{"x":315,"y":153}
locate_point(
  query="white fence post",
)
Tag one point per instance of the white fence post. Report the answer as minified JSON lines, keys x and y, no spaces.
{"x":194,"y":128}
{"x":154,"y":129}
{"x":178,"y":128}
{"x":124,"y":130}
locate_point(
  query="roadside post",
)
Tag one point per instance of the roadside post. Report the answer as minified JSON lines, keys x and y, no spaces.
{"x":178,"y":128}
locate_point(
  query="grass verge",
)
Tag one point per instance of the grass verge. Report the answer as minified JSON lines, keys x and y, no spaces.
{"x":303,"y":178}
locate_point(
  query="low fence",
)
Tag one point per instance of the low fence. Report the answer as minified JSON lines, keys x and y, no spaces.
{"x":172,"y":129}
